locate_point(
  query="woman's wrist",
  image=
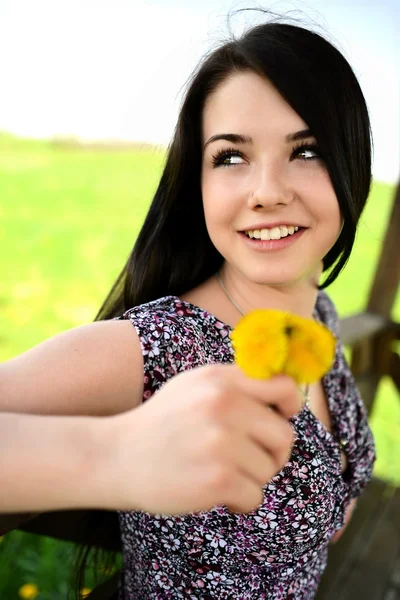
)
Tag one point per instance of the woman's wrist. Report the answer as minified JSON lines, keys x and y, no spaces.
{"x":114,"y":461}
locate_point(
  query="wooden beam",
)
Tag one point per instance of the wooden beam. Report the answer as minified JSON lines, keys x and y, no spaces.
{"x":362,"y":325}
{"x":79,"y":526}
{"x":387,"y":275}
{"x":10,"y":521}
{"x":362,"y":358}
{"x":395,"y":370}
{"x":368,"y":386}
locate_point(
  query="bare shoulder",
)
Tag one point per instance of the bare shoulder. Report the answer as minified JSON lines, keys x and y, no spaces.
{"x":95,"y":369}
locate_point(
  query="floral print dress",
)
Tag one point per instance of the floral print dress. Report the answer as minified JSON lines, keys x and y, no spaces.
{"x":278,"y":551}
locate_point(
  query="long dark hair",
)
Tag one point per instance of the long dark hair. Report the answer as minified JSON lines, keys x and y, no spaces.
{"x":173,"y":252}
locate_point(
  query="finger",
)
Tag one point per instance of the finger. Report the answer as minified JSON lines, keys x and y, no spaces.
{"x":258,"y":464}
{"x":280,"y":391}
{"x":243,"y":495}
{"x":267,"y":428}
{"x":274,"y":434}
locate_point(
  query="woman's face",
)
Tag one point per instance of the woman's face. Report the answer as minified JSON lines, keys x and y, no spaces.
{"x":257,"y":191}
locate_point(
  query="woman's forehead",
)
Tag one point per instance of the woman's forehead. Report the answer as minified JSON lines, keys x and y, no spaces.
{"x":248,"y":104}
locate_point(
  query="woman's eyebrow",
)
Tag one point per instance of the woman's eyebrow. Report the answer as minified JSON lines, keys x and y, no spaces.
{"x":299,"y":135}
{"x":236,"y":138}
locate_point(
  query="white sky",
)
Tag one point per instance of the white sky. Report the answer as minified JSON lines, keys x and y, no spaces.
{"x":116,"y":68}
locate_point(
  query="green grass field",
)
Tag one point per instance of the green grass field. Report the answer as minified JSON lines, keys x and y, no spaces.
{"x":68,"y":220}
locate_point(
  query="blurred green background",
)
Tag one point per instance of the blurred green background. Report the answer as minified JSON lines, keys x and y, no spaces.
{"x":68,"y":220}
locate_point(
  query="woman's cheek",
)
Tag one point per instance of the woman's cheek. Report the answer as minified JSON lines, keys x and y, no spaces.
{"x":221,"y":203}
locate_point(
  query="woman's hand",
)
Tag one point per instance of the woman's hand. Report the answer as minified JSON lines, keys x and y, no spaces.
{"x":209,"y":437}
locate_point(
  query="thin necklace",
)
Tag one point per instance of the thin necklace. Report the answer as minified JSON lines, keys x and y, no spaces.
{"x":306,"y":391}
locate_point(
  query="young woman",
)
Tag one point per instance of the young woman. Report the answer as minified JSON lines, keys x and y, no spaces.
{"x":266,"y":176}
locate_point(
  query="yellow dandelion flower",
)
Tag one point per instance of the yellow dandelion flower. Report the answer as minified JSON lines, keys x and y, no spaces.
{"x":271,"y":342}
{"x":260,"y":343}
{"x":85,"y":592}
{"x":29,"y":591}
{"x":311,"y":350}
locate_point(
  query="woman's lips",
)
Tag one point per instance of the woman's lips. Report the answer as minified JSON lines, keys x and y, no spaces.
{"x":271,"y":245}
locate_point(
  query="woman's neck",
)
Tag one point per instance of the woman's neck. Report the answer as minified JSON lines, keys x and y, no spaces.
{"x":210,"y":296}
{"x":298,"y":298}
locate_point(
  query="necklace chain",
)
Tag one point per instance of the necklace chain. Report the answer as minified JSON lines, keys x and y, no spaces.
{"x":306,"y":391}
{"x":227,"y":294}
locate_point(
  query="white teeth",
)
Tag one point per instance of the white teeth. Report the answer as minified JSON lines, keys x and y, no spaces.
{"x":276,"y":233}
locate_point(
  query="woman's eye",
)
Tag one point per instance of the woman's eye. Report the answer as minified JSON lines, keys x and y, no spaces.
{"x":306,"y":152}
{"x":227,"y":158}
{"x":231,"y":156}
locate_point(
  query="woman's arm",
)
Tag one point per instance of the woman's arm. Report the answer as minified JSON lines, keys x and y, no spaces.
{"x":96,"y":369}
{"x":205,"y":438}
{"x":50,"y":462}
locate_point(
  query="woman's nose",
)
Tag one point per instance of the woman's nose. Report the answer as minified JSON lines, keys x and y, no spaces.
{"x":270,"y":187}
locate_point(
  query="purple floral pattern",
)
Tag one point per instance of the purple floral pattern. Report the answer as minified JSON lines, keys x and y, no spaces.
{"x":278,"y":551}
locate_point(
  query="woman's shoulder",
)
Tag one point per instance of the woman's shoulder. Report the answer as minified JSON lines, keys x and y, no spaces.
{"x":171,"y":311}
{"x":167,"y":310}
{"x":172,"y":320}
{"x":176,"y":336}
{"x":159,"y":308}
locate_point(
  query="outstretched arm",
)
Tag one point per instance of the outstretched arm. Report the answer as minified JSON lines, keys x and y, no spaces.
{"x":54,"y":402}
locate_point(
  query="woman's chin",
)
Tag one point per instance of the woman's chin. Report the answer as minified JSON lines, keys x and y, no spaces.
{"x":278,"y":280}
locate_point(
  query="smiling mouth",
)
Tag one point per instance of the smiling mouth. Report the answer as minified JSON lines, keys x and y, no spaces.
{"x":275,"y":233}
